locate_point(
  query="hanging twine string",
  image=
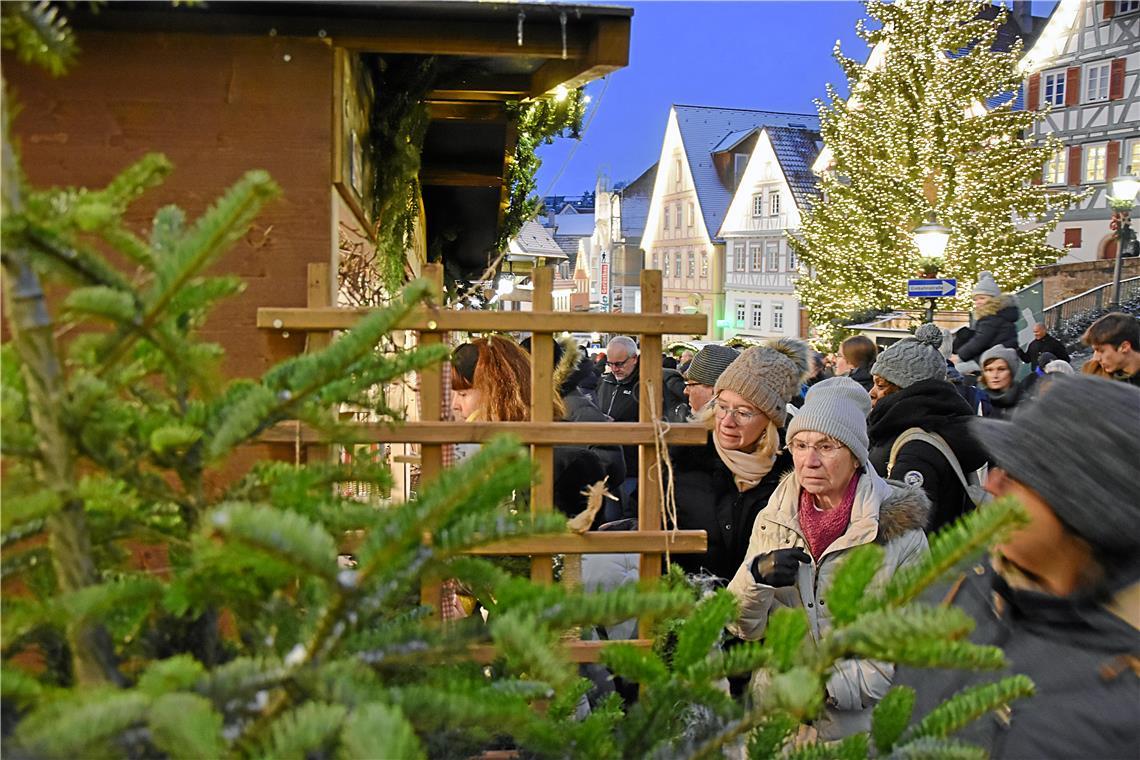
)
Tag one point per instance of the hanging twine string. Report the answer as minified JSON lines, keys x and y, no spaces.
{"x":667,"y":495}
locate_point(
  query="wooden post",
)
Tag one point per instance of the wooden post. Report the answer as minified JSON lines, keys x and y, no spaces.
{"x":431,"y":402}
{"x":648,"y":469}
{"x":319,"y":295}
{"x":542,"y":410}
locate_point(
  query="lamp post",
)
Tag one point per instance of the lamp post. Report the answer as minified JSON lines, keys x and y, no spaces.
{"x":931,"y":239}
{"x":1124,"y":189}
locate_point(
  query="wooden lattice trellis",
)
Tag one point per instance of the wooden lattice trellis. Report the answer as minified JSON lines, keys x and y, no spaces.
{"x":541,"y":432}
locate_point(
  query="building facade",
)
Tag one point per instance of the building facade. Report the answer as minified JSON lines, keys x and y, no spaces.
{"x":704,"y":156}
{"x":760,"y":266}
{"x":1085,"y":69}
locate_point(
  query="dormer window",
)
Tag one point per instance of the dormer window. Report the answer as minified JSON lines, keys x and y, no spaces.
{"x":739,"y":164}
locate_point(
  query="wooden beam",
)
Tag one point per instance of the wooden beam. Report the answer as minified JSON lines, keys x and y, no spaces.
{"x":430,"y":320}
{"x":458,"y":178}
{"x":542,"y":390}
{"x":497,"y":39}
{"x":577,"y":651}
{"x":608,"y":51}
{"x":452,"y":109}
{"x":435,"y":432}
{"x":599,"y":542}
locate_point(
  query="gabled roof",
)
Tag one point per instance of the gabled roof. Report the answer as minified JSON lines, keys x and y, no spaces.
{"x":796,"y":149}
{"x":534,"y":240}
{"x":732,"y":140}
{"x":703,"y":128}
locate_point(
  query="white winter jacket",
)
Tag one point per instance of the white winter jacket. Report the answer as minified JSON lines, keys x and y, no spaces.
{"x":888,"y":513}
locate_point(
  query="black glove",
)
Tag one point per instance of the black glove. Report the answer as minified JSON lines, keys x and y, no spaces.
{"x":780,"y":567}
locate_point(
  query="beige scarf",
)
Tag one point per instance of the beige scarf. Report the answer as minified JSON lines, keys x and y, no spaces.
{"x":749,"y":468}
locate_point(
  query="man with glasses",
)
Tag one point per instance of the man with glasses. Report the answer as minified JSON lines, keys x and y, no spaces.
{"x":618,"y":397}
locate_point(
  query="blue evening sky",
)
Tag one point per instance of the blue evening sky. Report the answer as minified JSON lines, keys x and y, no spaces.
{"x":771,"y":55}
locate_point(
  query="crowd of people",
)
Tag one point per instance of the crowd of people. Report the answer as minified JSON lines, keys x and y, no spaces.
{"x":799,"y":469}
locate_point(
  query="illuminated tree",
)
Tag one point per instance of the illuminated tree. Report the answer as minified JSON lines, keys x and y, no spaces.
{"x":930,"y":128}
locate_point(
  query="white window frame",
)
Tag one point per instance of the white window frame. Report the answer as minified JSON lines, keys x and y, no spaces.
{"x":793,"y":265}
{"x":755,"y":256}
{"x":665,"y":264}
{"x":677,"y":263}
{"x":741,"y":313}
{"x":692,"y":214}
{"x":1131,"y":154}
{"x":1056,"y":169}
{"x":692,"y":264}
{"x":1087,"y":163}
{"x":1127,"y":6}
{"x":758,"y":314}
{"x":778,"y":316}
{"x":757,"y":204}
{"x":1103,"y":72}
{"x":677,"y":219}
{"x":739,"y":165}
{"x":656,"y":261}
{"x":773,"y":203}
{"x":704,"y":264}
{"x":665,"y":218}
{"x":1059,"y":77}
{"x":677,"y":174}
{"x":739,"y":255}
{"x":772,"y":256}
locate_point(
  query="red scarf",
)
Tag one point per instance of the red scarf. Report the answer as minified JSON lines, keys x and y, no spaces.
{"x":821,"y":527}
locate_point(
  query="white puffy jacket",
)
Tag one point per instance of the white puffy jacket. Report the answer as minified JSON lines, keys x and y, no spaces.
{"x":888,"y":513}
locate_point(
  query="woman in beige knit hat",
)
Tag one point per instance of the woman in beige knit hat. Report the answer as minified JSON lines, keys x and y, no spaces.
{"x":721,"y":487}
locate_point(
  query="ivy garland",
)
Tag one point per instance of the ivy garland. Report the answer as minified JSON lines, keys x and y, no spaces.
{"x":398,"y":124}
{"x":539,"y":122}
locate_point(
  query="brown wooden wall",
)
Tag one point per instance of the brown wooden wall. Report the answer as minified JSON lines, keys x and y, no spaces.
{"x":216,"y":106}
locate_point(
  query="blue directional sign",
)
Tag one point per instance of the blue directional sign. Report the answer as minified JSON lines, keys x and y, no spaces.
{"x":931,"y":288}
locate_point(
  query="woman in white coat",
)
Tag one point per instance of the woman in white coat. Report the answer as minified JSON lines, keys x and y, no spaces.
{"x":829,"y":504}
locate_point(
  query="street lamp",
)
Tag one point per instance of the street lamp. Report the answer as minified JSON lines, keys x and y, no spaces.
{"x":931,"y":239}
{"x":1124,"y":189}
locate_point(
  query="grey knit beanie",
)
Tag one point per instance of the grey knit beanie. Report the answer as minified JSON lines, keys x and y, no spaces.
{"x":1092,"y":487}
{"x":768,"y":376}
{"x":709,"y":363}
{"x":837,"y":407}
{"x":1007,"y":355}
{"x":913,"y":359}
{"x":986,"y":285}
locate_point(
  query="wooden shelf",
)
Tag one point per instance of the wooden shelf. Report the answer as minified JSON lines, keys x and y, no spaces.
{"x":609,"y":542}
{"x":530,"y":433}
{"x":428,"y":320}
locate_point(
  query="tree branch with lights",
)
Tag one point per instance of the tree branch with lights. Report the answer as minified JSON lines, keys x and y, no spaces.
{"x":923,"y":116}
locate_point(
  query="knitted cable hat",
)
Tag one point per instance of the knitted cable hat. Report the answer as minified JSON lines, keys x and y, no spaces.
{"x":913,"y":359}
{"x":710,"y":363}
{"x":837,"y":407}
{"x":1007,"y":355}
{"x":986,"y":285}
{"x":768,"y":376}
{"x":1088,"y":488}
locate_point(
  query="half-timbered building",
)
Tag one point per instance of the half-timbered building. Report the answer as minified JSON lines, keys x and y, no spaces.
{"x":1084,"y":69}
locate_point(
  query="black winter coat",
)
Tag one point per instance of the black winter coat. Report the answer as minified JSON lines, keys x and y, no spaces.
{"x":936,"y":407}
{"x":581,"y":408}
{"x":1046,"y":345}
{"x":1076,"y":652}
{"x":996,"y":327}
{"x":1002,"y":403}
{"x":862,"y":375}
{"x":620,"y":400}
{"x":708,"y":500}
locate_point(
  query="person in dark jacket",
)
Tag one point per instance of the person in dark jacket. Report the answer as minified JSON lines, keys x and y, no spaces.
{"x":721,"y":487}
{"x":999,"y":370}
{"x":619,"y":397}
{"x":855,"y":357}
{"x":996,"y":322}
{"x":911,"y":391}
{"x":1061,"y":595}
{"x":1042,"y":343}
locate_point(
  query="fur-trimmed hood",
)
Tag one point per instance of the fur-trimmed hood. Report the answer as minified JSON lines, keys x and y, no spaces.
{"x":906,"y":509}
{"x":996,"y":305}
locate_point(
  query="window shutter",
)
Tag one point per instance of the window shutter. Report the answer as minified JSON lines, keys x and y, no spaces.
{"x":1075,"y":165}
{"x":1073,"y":237}
{"x":1112,"y":161}
{"x":1073,"y":86}
{"x":1116,"y":80}
{"x":1034,"y":95}
{"x":1109,"y":9}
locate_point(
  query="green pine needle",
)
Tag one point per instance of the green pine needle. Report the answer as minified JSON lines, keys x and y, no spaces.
{"x":970,"y":704}
{"x":891,"y":717}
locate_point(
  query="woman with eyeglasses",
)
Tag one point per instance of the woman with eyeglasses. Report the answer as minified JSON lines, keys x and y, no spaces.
{"x":720,"y":487}
{"x":831,"y":503}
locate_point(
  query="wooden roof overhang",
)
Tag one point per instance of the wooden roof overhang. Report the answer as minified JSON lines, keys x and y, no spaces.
{"x":487,"y":53}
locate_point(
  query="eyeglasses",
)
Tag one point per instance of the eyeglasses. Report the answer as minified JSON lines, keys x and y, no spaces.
{"x":740,"y":416}
{"x":619,"y":364}
{"x":825,"y":449}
